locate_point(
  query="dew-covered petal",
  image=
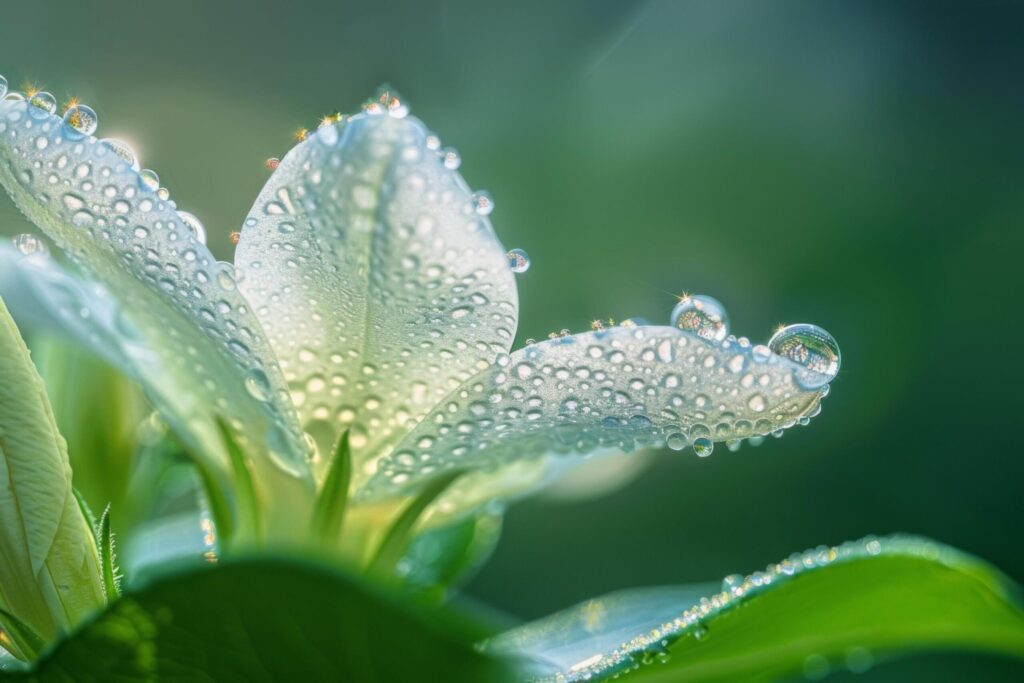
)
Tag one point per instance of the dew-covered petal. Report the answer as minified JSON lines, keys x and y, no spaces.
{"x":620,"y":388}
{"x":841,"y":606}
{"x":175,"y":299}
{"x":380,"y":284}
{"x":43,"y":296}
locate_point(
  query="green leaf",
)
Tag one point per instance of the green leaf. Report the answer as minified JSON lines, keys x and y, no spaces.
{"x":397,"y":539}
{"x":108,"y":559}
{"x":268,"y":619}
{"x":19,"y":636}
{"x":102,"y":435}
{"x":49,"y":569}
{"x":247,"y":510}
{"x":826,"y":608}
{"x":440,"y":559}
{"x":329,"y":512}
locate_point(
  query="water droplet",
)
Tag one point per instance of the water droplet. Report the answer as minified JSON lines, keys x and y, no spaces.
{"x":14,"y":96}
{"x":195,"y":225}
{"x":483,"y":202}
{"x":257,"y":384}
{"x":703,"y":447}
{"x":732,"y":583}
{"x":3,"y":87}
{"x":518,"y":260}
{"x":44,"y":101}
{"x":702,"y":315}
{"x":81,"y":118}
{"x":859,"y":659}
{"x":272,"y":163}
{"x":810,"y":347}
{"x":149,"y":179}
{"x":450,"y":157}
{"x":30,"y":245}
{"x":123,"y":150}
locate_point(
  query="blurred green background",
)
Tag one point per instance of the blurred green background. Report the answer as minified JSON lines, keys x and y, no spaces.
{"x":853,"y":164}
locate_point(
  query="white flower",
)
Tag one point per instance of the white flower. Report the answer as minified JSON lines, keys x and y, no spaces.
{"x":370,"y":294}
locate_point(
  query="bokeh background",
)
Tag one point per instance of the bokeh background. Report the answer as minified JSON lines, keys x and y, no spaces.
{"x":854,"y":164}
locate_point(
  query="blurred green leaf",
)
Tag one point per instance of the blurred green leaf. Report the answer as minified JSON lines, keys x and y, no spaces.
{"x":269,"y":619}
{"x":49,"y":569}
{"x":329,"y":512}
{"x":98,"y":410}
{"x":440,"y":559}
{"x":399,"y":534}
{"x":828,"y":608}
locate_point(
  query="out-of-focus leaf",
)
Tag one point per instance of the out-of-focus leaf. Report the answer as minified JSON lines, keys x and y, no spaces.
{"x":842,"y":606}
{"x":98,"y":411}
{"x":439,"y":559}
{"x":49,"y":569}
{"x":329,"y":512}
{"x":270,"y":620}
{"x":399,"y":535}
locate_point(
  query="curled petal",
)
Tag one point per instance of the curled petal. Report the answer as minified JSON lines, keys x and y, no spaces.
{"x":381,"y":285}
{"x":620,"y":388}
{"x":175,"y":299}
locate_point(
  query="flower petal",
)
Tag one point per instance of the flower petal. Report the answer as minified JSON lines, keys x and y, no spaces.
{"x":620,"y":388}
{"x":42,"y":295}
{"x":379,"y":284}
{"x":176,"y":300}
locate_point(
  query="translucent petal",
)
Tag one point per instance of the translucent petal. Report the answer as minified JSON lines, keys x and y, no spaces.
{"x":618,"y":388}
{"x":43,"y":296}
{"x":380,"y":285}
{"x":176,"y":300}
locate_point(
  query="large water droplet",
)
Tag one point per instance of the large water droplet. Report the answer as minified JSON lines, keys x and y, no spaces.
{"x":30,"y":245}
{"x":450,"y":157}
{"x":3,"y":87}
{"x":703,"y":447}
{"x":702,"y":315}
{"x":82,"y":119}
{"x":195,"y":225}
{"x":44,"y":101}
{"x":483,"y":202}
{"x":518,"y":260}
{"x":149,"y":179}
{"x":812,"y":348}
{"x":258,"y":385}
{"x":123,"y":150}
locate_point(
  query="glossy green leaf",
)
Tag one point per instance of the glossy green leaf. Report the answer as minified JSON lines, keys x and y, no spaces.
{"x":267,"y":619}
{"x":49,"y":569}
{"x":399,"y":535}
{"x":830,"y":607}
{"x":329,"y":512}
{"x":108,"y":558}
